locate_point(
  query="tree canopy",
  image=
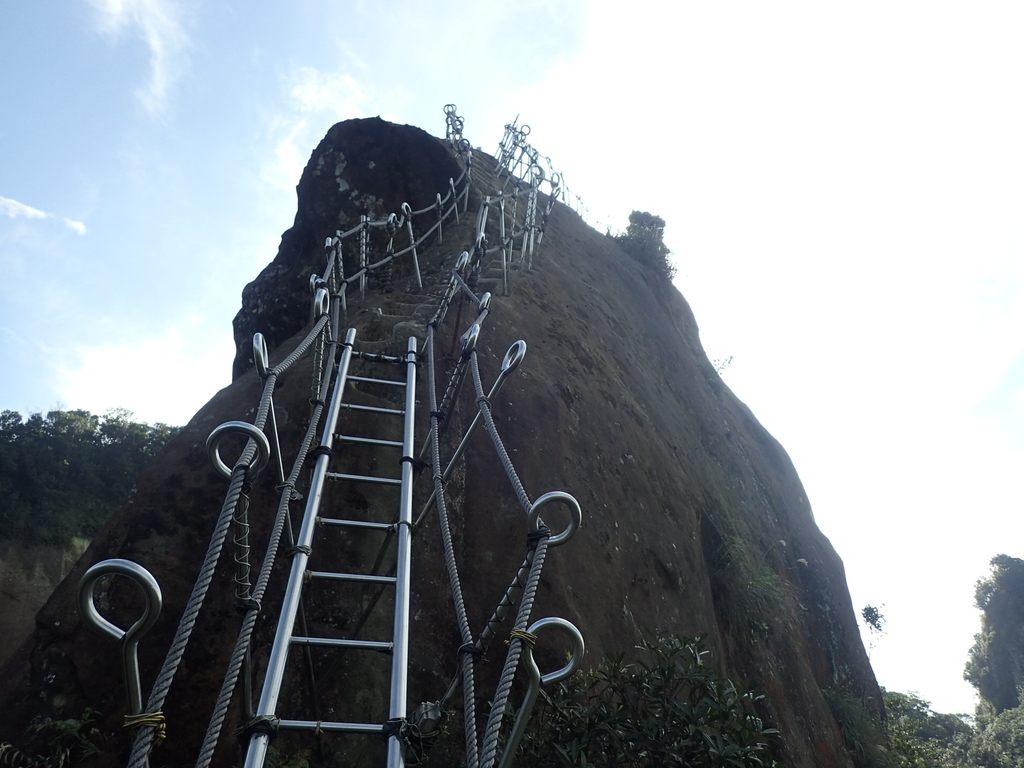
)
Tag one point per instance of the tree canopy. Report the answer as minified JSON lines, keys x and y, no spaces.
{"x":63,"y":474}
{"x":996,"y":663}
{"x":644,"y":240}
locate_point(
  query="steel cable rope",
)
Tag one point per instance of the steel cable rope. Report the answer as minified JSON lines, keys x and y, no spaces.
{"x":492,"y":430}
{"x":467,"y":658}
{"x":143,"y":742}
{"x":490,"y":627}
{"x":363,"y":270}
{"x":515,"y":649}
{"x":490,"y":744}
{"x":144,"y":739}
{"x":245,"y":634}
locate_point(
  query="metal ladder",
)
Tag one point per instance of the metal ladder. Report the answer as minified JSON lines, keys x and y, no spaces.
{"x":401,"y":526}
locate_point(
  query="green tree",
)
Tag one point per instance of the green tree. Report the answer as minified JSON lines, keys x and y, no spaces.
{"x":999,"y":742}
{"x":62,"y":475}
{"x":995,"y":666}
{"x":921,"y":738}
{"x":644,"y":240}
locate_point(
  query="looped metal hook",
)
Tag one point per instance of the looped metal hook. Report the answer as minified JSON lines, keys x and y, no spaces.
{"x":243,"y":428}
{"x":260,"y":355}
{"x":407,"y":210}
{"x":537,"y":679}
{"x":321,"y":303}
{"x":462,"y":262}
{"x":127,"y":639}
{"x":513,"y":357}
{"x":484,"y":303}
{"x":575,"y":520}
{"x":469,"y":340}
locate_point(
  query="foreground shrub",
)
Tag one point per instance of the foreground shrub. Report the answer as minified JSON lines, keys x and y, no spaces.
{"x":669,"y":708}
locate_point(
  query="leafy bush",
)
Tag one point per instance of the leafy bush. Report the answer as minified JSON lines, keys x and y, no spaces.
{"x":644,"y":240}
{"x":60,"y":743}
{"x":667,"y":709}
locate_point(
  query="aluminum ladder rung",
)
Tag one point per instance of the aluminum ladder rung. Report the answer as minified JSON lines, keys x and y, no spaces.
{"x":368,"y":440}
{"x":369,"y":380}
{"x":372,"y":409}
{"x":363,"y":645}
{"x":364,"y":478}
{"x":300,"y":574}
{"x":319,"y":725}
{"x":365,"y":578}
{"x":376,"y":357}
{"x":355,"y":523}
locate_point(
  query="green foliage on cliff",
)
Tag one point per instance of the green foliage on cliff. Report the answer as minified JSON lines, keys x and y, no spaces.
{"x":921,"y":738}
{"x":669,"y":708}
{"x":996,"y":663}
{"x":644,"y":240}
{"x":63,"y":474}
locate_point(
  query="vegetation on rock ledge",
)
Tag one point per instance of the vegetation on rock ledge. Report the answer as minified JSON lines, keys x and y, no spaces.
{"x":644,"y":240}
{"x":669,"y":708}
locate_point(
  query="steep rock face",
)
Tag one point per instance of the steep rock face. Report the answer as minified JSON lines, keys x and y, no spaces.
{"x":362,"y":167}
{"x":28,"y":575}
{"x":694,"y":518}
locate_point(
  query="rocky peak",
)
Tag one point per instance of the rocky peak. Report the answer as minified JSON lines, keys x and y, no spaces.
{"x":361,"y":167}
{"x":695,"y":521}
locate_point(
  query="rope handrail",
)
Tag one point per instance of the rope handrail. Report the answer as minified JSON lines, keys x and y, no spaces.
{"x":518,"y":230}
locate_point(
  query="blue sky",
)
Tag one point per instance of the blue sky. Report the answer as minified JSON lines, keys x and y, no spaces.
{"x":842,"y":186}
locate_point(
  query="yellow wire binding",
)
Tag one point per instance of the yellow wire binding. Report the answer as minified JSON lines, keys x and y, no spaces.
{"x":154,"y":720}
{"x":528,"y":638}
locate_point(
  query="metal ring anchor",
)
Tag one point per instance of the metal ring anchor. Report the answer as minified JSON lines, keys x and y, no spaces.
{"x":260,"y":355}
{"x":469,"y":340}
{"x":128,"y":640}
{"x":575,"y":520}
{"x":243,"y":428}
{"x":513,"y":357}
{"x":537,"y":679}
{"x":321,"y":303}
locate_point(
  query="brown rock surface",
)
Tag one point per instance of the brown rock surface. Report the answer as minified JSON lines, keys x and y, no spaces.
{"x":28,"y":575}
{"x":687,"y":500}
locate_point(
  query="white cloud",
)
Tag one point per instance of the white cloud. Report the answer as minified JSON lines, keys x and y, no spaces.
{"x":159,"y":378}
{"x":158,"y":24}
{"x":13,"y":209}
{"x":77,"y":226}
{"x":316,"y":100}
{"x":330,"y":92}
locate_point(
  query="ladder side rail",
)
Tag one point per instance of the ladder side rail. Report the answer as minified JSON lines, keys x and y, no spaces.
{"x":258,"y":743}
{"x":403,"y":570}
